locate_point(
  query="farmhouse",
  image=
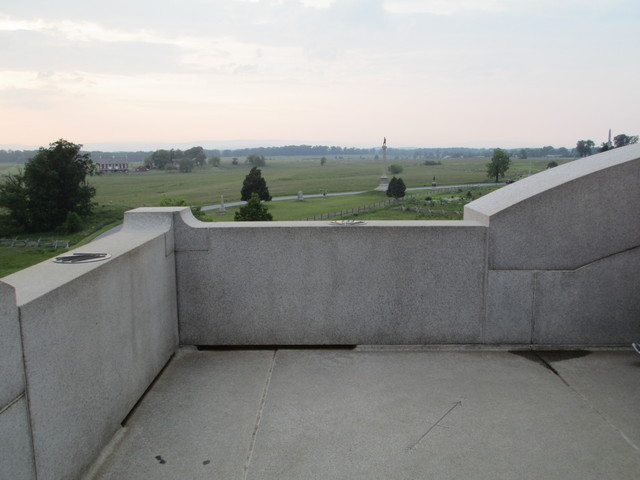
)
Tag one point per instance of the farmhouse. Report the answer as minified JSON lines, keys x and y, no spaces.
{"x":113,"y":164}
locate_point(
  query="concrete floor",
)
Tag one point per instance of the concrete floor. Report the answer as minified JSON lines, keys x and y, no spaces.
{"x":384,"y":414}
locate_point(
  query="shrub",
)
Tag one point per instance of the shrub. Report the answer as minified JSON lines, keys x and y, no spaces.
{"x":180,"y":202}
{"x":73,"y":223}
{"x":254,"y":210}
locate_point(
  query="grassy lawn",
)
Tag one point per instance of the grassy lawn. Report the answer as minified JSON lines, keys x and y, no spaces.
{"x":287,"y":176}
{"x":293,"y":210}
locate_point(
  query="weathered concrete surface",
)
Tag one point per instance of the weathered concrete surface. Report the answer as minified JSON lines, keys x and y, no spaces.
{"x":290,"y":283}
{"x":16,"y":457}
{"x":564,"y":217}
{"x":605,"y":381}
{"x":597,"y":304}
{"x":16,"y":452}
{"x":326,"y":414}
{"x":510,"y":296}
{"x":197,"y":421}
{"x":12,"y":371}
{"x":94,"y":337}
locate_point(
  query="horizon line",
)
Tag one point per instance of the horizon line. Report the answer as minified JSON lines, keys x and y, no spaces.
{"x":144,"y":146}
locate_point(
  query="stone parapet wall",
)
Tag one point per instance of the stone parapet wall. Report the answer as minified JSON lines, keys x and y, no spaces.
{"x":293,"y":283}
{"x":93,"y":337}
{"x":565,"y":217}
{"x":564,"y":253}
{"x":16,"y":459}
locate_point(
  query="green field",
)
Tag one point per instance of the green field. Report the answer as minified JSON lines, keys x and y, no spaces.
{"x":287,"y":176}
{"x":292,"y":210}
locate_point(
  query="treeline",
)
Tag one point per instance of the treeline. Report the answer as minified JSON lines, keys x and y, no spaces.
{"x":16,"y":156}
{"x":415,"y":153}
{"x":21,"y":156}
{"x":292,"y":151}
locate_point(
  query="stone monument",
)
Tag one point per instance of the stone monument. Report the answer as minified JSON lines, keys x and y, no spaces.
{"x":384,"y":180}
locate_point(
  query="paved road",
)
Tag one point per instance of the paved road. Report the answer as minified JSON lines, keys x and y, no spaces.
{"x":275,"y":199}
{"x":314,"y":195}
{"x":318,"y":195}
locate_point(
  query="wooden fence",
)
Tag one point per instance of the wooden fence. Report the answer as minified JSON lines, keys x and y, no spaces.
{"x":384,"y":203}
{"x":16,"y":242}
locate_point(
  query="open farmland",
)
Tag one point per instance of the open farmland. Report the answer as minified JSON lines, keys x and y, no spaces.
{"x":287,"y":176}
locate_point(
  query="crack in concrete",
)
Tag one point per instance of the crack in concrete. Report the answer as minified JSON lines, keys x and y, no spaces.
{"x":561,"y":355}
{"x":263,"y":401}
{"x":456,"y":404}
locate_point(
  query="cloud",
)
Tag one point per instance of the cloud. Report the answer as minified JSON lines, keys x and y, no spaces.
{"x":317,"y":3}
{"x":452,"y":7}
{"x":444,"y":7}
{"x":432,"y":66}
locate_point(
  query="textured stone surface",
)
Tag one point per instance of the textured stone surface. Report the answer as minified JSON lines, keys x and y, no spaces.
{"x":327,"y":414}
{"x":565,"y":217}
{"x":598,"y":304}
{"x":196,"y":422}
{"x":12,"y":371}
{"x":16,"y":454}
{"x":605,"y":380}
{"x":311,"y":283}
{"x":509,"y":307}
{"x":94,"y":336}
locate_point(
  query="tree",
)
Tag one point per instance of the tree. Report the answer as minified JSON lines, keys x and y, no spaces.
{"x":523,"y":154}
{"x":159,"y":159}
{"x":13,"y":197}
{"x":323,"y":160}
{"x":253,"y":211}
{"x":197,"y":155}
{"x":53,"y":184}
{"x":256,"y":160}
{"x":396,"y":188}
{"x":623,"y":140}
{"x":394,"y":169}
{"x":499,"y":164}
{"x":186,"y":165}
{"x":391,"y":186}
{"x":547,"y":150}
{"x":255,"y":183}
{"x":215,"y":161}
{"x":552,"y":164}
{"x":583,"y":147}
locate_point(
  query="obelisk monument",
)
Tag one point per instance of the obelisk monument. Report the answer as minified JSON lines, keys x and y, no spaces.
{"x":384,"y":180}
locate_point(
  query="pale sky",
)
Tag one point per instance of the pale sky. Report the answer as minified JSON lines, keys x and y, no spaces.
{"x":140,"y":74}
